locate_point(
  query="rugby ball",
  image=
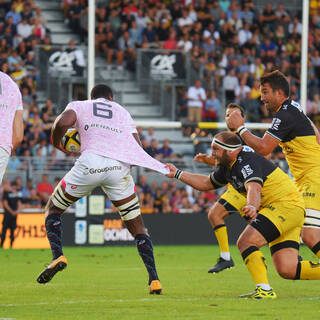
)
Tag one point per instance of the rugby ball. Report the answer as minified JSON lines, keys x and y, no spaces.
{"x":71,"y":140}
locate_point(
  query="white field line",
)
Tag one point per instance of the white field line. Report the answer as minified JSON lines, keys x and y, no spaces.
{"x":8,"y":305}
{"x":97,"y":300}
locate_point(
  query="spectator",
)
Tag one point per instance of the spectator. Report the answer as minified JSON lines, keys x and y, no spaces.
{"x":78,"y":62}
{"x":185,"y":20}
{"x":241,"y":90}
{"x":196,"y":99}
{"x":16,"y":16}
{"x":171,"y":43}
{"x":230,"y":83}
{"x":26,"y":191}
{"x":166,"y":152}
{"x":146,"y":202}
{"x":211,"y":107}
{"x":12,"y":206}
{"x":184,"y":43}
{"x":127,"y":49}
{"x":295,"y":26}
{"x":136,"y":34}
{"x":182,"y":107}
{"x":74,"y":15}
{"x":14,"y":163}
{"x":153,"y":149}
{"x":44,"y":189}
{"x":143,"y":185}
{"x":140,"y":134}
{"x":149,"y":36}
{"x":110,"y":48}
{"x":268,"y":18}
{"x":244,"y":34}
{"x":150,"y":136}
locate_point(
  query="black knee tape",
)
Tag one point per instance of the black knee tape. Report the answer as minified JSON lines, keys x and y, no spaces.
{"x":248,"y":251}
{"x":283,"y":245}
{"x":316,"y":248}
{"x":218,"y":226}
{"x":298,"y":272}
{"x":268,"y":230}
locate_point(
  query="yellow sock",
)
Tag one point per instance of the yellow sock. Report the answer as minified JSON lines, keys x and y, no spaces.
{"x":222,"y":237}
{"x":256,"y":264}
{"x":308,"y":270}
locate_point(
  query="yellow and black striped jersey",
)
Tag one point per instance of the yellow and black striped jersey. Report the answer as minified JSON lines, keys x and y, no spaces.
{"x":297,"y":138}
{"x":252,"y":167}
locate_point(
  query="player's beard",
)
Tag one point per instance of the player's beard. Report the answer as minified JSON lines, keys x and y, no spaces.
{"x":224,"y":160}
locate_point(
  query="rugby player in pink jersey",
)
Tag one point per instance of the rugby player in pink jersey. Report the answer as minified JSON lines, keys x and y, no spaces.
{"x":11,"y":121}
{"x":109,"y":146}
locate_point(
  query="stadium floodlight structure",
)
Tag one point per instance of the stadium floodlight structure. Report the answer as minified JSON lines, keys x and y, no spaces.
{"x":91,"y":45}
{"x":304,"y":54}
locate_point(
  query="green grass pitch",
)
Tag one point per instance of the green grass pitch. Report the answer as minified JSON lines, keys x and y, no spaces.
{"x":111,"y":283}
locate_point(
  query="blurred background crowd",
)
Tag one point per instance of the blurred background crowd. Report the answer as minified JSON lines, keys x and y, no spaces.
{"x":231,"y":43}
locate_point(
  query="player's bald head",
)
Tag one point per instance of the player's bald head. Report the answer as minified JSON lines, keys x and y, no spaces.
{"x":101,"y":91}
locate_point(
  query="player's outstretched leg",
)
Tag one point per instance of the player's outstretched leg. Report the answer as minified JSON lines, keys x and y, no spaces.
{"x":56,"y":205}
{"x":145,"y":249}
{"x":216,"y":217}
{"x":129,"y":210}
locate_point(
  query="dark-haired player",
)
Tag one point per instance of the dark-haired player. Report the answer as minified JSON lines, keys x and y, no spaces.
{"x":299,"y":139}
{"x":109,"y":145}
{"x":273,"y":205}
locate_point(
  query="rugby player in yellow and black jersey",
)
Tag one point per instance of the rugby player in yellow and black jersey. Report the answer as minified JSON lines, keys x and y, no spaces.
{"x":273,"y":204}
{"x":299,"y":139}
{"x":229,"y":203}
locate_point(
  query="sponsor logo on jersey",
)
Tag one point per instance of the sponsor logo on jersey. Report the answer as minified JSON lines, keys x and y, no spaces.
{"x":101,"y":126}
{"x":275,"y":124}
{"x":100,"y":170}
{"x":246,"y":171}
{"x":247,"y":149}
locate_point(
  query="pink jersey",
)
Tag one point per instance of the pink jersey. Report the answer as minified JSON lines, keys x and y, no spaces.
{"x":106,"y":128}
{"x":10,"y":102}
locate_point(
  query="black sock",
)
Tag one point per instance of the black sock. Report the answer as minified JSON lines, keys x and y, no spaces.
{"x":54,"y":233}
{"x":144,"y":246}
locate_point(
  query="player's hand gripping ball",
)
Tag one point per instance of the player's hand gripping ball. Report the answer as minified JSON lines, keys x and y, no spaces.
{"x":71,"y":141}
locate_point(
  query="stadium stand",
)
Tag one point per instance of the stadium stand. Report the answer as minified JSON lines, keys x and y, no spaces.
{"x":230,"y":44}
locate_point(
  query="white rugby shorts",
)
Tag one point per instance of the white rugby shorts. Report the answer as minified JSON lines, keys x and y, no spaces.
{"x":4,"y":158}
{"x":92,"y":170}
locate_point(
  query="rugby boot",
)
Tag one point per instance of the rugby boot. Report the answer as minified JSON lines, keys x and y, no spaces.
{"x":49,"y":272}
{"x":221,"y":265}
{"x":259,"y":294}
{"x":155,"y":287}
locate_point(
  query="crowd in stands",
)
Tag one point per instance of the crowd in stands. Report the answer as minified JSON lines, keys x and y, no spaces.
{"x":231,"y":44}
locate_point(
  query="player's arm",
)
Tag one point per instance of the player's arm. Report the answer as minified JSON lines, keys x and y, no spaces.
{"x":17,"y":130}
{"x":204,"y":158}
{"x":20,"y":206}
{"x":263,"y":145}
{"x":316,"y":131}
{"x":197,"y":181}
{"x":253,"y":199}
{"x":60,"y":126}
